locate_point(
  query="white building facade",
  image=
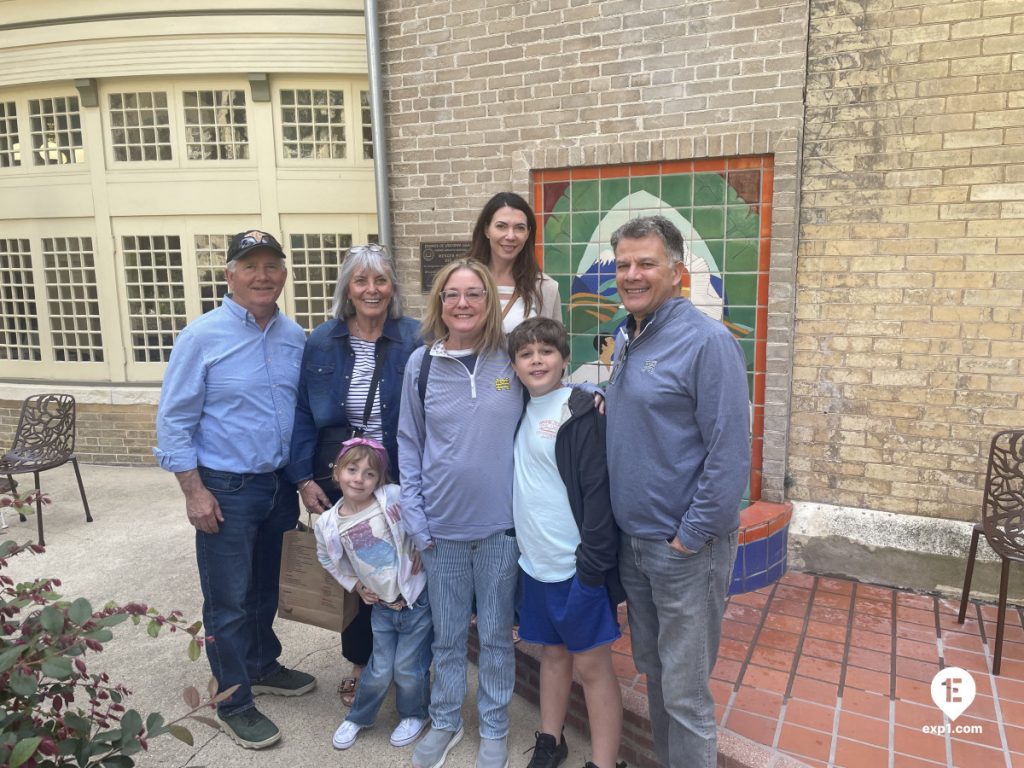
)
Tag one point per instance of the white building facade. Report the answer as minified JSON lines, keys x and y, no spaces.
{"x":135,"y":138}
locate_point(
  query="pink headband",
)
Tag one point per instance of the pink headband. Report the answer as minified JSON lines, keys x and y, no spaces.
{"x":369,"y":442}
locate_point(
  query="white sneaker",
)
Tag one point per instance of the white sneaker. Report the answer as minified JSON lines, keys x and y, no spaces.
{"x":407,"y":731}
{"x":346,"y":734}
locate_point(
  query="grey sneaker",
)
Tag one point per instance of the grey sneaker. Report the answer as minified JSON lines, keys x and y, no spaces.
{"x":250,"y":729}
{"x":285,"y":682}
{"x":493,"y":753}
{"x":434,"y":748}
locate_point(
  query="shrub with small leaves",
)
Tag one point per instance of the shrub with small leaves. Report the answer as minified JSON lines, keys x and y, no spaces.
{"x":53,"y":710}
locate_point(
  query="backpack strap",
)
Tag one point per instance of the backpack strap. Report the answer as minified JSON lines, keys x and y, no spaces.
{"x":424,"y":373}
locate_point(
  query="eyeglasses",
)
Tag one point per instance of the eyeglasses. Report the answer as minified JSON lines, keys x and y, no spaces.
{"x":370,"y":248}
{"x":471,"y":295}
{"x":256,"y":238}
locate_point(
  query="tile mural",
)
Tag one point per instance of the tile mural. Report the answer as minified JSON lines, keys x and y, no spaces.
{"x":723,"y":209}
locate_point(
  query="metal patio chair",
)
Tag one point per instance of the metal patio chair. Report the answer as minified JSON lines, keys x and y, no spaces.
{"x":1002,"y":521}
{"x":45,"y":440}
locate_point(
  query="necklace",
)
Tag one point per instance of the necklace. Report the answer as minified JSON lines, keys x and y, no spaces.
{"x":359,"y":333}
{"x":344,"y":506}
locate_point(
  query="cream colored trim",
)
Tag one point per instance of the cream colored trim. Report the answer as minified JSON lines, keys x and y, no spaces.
{"x":52,"y":12}
{"x":102,"y":395}
{"x":104,"y":249}
{"x":323,"y":48}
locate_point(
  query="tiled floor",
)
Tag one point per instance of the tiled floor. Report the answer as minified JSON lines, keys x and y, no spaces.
{"x":838,"y":673}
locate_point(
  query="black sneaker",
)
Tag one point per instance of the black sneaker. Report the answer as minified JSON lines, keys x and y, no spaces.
{"x":285,"y":682}
{"x":546,"y":753}
{"x":250,"y":729}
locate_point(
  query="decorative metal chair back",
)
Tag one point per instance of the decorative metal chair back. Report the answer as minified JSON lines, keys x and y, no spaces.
{"x":1002,"y":510}
{"x":46,"y":433}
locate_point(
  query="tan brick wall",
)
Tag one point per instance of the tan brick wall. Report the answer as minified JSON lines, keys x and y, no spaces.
{"x":105,"y":434}
{"x":478,"y":94}
{"x":910,"y":276}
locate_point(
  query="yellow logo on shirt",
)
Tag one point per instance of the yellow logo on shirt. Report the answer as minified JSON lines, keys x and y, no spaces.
{"x":502,"y":384}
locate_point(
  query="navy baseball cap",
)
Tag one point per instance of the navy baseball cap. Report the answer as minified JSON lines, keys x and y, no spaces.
{"x":245,"y":243}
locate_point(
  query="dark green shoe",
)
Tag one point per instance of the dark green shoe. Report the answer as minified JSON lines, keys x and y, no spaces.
{"x":250,"y":729}
{"x":285,"y":682}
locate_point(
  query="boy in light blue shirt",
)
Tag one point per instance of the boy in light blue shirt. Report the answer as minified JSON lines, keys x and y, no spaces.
{"x":568,"y":543}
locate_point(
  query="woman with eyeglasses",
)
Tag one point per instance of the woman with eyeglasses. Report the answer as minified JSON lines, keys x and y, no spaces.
{"x":503,"y":239}
{"x":350,"y":385}
{"x":460,"y":405}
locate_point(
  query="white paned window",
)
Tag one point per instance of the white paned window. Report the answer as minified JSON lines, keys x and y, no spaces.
{"x":19,"y":326}
{"x":10,"y":144}
{"x":211,"y":255}
{"x":215,"y":125}
{"x":98,"y":294}
{"x":313,"y":124}
{"x":315,"y":259}
{"x":71,"y":300}
{"x":56,"y":131}
{"x":154,"y":282}
{"x":364,"y":102}
{"x":140,"y":126}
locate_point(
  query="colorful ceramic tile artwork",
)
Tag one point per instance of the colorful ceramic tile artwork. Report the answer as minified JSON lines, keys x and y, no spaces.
{"x":723,"y":209}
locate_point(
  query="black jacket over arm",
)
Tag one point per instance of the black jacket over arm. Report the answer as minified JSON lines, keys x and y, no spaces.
{"x":583,"y":465}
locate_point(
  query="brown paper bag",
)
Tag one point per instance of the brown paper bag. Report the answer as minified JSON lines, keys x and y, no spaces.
{"x":308,"y":593}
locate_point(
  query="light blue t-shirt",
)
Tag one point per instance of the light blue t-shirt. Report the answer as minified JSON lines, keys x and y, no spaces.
{"x":545,"y":528}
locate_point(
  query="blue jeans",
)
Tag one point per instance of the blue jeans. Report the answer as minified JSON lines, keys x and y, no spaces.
{"x":239,"y":570}
{"x":401,"y":651}
{"x":456,"y":572}
{"x":676,"y":603}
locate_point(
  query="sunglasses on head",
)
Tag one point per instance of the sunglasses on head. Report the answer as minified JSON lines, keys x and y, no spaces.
{"x":371,"y":248}
{"x":255,"y":238}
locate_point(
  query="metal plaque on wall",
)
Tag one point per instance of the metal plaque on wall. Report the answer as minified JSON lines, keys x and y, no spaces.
{"x":434,"y":257}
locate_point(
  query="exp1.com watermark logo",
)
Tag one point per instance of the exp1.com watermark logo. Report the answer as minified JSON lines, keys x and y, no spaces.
{"x":953,"y":691}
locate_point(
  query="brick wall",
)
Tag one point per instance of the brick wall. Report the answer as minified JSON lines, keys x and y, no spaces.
{"x":911,"y":266}
{"x":481,"y":93}
{"x":106,"y":434}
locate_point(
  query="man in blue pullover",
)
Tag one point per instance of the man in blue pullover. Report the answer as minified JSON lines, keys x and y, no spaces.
{"x":678,"y":460}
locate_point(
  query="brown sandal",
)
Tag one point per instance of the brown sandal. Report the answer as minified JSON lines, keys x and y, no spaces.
{"x":347,"y":690}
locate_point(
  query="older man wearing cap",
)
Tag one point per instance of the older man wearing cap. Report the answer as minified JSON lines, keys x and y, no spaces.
{"x":224,"y":428}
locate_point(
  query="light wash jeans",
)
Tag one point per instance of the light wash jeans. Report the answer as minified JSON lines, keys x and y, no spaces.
{"x":239,"y":570}
{"x":456,"y":571}
{"x":676,"y":603}
{"x":401,"y":651}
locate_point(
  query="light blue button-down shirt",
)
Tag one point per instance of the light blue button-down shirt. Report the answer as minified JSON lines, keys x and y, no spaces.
{"x":228,"y":396}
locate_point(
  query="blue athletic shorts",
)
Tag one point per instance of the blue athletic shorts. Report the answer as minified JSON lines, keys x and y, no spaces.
{"x":566,"y":613}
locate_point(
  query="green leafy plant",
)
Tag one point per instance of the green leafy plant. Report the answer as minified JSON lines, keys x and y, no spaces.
{"x":53,"y":710}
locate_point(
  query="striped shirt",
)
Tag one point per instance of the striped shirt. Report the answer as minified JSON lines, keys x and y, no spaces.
{"x":359,"y":388}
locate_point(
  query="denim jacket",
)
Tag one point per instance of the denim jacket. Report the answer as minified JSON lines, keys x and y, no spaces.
{"x":327,"y":364}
